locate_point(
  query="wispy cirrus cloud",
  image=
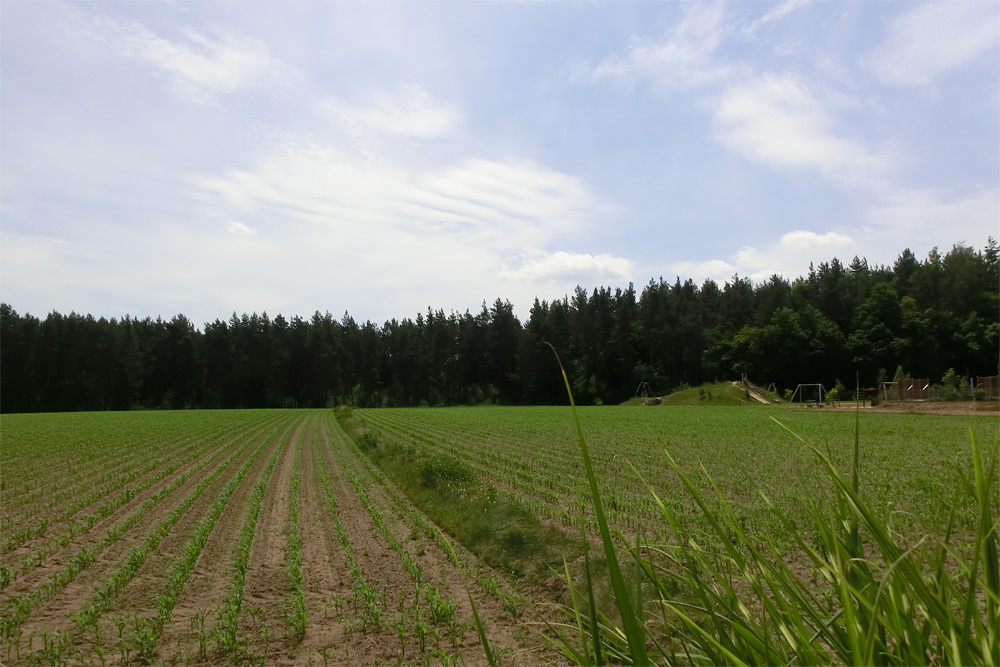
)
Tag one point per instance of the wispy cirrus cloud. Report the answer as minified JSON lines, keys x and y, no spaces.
{"x":934,"y":39}
{"x":409,"y":231}
{"x":409,"y":111}
{"x":775,"y":15}
{"x":509,"y":204}
{"x":237,"y":228}
{"x":200,"y":66}
{"x":683,"y":59}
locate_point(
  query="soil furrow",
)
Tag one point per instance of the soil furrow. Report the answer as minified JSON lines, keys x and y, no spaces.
{"x":267,"y":585}
{"x":325,"y":575}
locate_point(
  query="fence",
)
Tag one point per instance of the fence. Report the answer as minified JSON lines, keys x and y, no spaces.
{"x":919,"y":389}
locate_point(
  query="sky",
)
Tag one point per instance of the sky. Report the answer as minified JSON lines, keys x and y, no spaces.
{"x":383,"y":158}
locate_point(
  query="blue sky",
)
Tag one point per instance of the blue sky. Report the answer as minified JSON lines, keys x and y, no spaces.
{"x":383,"y":158}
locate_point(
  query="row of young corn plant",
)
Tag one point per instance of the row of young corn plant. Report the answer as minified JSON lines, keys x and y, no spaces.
{"x":226,"y":631}
{"x":97,"y":464}
{"x":80,"y":527}
{"x":442,"y":610}
{"x":147,"y":634}
{"x":487,"y":581}
{"x":51,"y":458}
{"x":103,"y":595}
{"x":18,"y":537}
{"x":371,"y":614}
{"x":21,"y":606}
{"x":295,"y":610}
{"x":880,"y":601}
{"x":128,"y":465}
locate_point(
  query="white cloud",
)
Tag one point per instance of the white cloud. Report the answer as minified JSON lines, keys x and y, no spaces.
{"x":239,"y":229}
{"x":928,"y":218}
{"x":504,"y":204}
{"x":199,"y":67}
{"x":683,"y":59}
{"x":788,"y":257}
{"x":782,"y":122}
{"x":775,"y":14}
{"x":410,"y":111}
{"x":564,"y":267}
{"x":403,"y":238}
{"x":716,"y":269}
{"x":933,"y":39}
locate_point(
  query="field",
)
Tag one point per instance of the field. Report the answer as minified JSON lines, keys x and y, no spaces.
{"x":909,"y":463}
{"x":272,"y":536}
{"x":258,"y":536}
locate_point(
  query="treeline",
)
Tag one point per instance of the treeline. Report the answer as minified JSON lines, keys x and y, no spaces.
{"x":923,"y":316}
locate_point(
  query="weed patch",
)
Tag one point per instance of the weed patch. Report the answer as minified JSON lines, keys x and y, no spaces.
{"x":504,"y":533}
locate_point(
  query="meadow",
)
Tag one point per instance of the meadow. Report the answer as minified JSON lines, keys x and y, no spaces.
{"x":295,"y":536}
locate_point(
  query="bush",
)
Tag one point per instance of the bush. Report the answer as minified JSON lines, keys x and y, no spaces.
{"x":446,"y":469}
{"x":367,"y":442}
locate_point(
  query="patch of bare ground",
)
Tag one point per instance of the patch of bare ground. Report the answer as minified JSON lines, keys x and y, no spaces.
{"x":56,"y":614}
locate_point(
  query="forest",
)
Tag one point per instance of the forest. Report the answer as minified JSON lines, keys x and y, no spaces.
{"x":847,"y":323}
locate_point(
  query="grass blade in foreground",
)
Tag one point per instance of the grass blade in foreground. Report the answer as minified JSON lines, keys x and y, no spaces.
{"x":634,"y":631}
{"x":743,"y":603}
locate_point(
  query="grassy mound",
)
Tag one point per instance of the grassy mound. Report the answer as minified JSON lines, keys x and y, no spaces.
{"x":721,"y":393}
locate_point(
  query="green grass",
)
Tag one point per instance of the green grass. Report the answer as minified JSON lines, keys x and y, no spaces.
{"x":738,"y":602}
{"x":892,"y":602}
{"x":721,"y":394}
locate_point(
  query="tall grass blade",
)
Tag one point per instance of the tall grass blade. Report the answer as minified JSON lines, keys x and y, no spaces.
{"x":634,"y":631}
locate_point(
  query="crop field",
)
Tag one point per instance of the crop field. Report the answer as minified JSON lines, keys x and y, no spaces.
{"x":271,"y":537}
{"x":913,"y":466}
{"x":248,"y":536}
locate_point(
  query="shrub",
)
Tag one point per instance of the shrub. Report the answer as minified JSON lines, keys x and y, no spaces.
{"x":445,"y":469}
